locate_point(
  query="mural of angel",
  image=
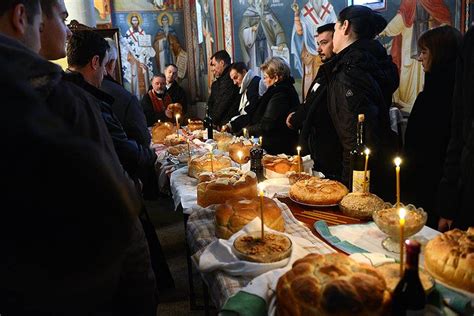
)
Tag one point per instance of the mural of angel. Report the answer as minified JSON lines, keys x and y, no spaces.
{"x":259,"y":31}
{"x":136,"y":56}
{"x":313,"y":14}
{"x":413,"y":18}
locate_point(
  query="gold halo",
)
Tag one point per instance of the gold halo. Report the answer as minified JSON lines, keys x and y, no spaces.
{"x":138,"y":15}
{"x":160,"y":16}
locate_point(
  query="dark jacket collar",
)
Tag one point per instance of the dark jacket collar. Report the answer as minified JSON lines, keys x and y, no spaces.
{"x":78,"y":79}
{"x":42,"y":74}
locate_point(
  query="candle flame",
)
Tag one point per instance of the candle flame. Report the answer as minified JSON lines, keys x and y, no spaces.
{"x":261,"y":193}
{"x":397,"y":161}
{"x":240,"y":154}
{"x":402,"y":213}
{"x":178,"y":116}
{"x":367,"y":151}
{"x":298,"y":148}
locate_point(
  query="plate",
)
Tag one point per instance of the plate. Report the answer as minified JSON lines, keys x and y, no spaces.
{"x":312,"y":205}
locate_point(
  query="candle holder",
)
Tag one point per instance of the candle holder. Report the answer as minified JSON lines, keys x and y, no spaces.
{"x":388,"y":221}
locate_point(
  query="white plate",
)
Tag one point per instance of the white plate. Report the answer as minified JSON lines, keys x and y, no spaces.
{"x":312,"y":205}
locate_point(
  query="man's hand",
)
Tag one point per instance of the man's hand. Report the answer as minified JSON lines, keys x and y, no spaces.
{"x":288,"y":120}
{"x":444,"y":224}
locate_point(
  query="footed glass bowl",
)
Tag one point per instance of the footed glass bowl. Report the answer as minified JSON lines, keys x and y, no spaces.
{"x":388,"y":221}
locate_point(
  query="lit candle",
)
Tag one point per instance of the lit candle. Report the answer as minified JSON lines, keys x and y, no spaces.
{"x":401,"y":212}
{"x":364,"y":184}
{"x":159,"y":121}
{"x":245,"y":132}
{"x":240,"y":155}
{"x":189,"y":149}
{"x":261,"y":214}
{"x":398,"y":161}
{"x":298,"y":149}
{"x":177,"y":123}
{"x":189,"y":121}
{"x":212,"y":163}
{"x":260,"y":140}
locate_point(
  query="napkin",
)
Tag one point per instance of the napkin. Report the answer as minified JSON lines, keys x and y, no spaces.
{"x":373,"y":259}
{"x":219,"y":254}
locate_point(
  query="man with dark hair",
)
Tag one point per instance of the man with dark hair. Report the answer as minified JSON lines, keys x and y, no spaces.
{"x":155,"y":102}
{"x":21,"y":19}
{"x":318,"y":135}
{"x":53,"y":39}
{"x":87,"y":55}
{"x":173,"y":89}
{"x":223,"y":103}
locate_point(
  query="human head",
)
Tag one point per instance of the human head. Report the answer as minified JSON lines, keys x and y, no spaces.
{"x":87,"y":54}
{"x":274,"y":69}
{"x":112,"y":61}
{"x":165,"y":20}
{"x":158,"y":83}
{"x":439,"y":46}
{"x":22,"y":20}
{"x":134,"y":21}
{"x":324,"y":39}
{"x":219,"y":61}
{"x":237,"y":73}
{"x":55,"y":31}
{"x":171,"y":73}
{"x":356,"y":22}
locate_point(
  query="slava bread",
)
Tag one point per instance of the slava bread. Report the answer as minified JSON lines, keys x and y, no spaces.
{"x":332,"y":284}
{"x":272,"y":248}
{"x":235,"y":213}
{"x":202,"y":163}
{"x":175,"y":108}
{"x":174,"y":139}
{"x":195,"y":125}
{"x":179,"y":149}
{"x":449,"y":257}
{"x":281,"y":163}
{"x":240,"y":144}
{"x":294,"y":177}
{"x":361,"y":205}
{"x":225,"y":184}
{"x":317,"y":191}
{"x":160,"y":131}
{"x":223,"y":140}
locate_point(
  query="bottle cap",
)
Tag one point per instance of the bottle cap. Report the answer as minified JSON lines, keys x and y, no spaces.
{"x":361,"y":117}
{"x":412,"y":246}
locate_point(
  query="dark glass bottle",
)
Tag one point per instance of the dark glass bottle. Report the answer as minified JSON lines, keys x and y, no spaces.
{"x":409,"y":296}
{"x":256,"y":155}
{"x":208,"y":125}
{"x":358,"y":159}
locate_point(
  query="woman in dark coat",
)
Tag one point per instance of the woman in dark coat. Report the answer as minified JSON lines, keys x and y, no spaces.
{"x":269,"y":119}
{"x":361,"y":80}
{"x":456,"y":188}
{"x":428,"y":128}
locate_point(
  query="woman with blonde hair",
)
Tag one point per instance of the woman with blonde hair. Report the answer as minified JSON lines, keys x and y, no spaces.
{"x":269,"y":120}
{"x":428,"y":128}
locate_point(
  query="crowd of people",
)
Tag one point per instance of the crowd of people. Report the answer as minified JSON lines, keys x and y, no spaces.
{"x":77,"y":162}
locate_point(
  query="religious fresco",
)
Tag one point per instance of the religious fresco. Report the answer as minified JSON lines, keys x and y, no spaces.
{"x":103,"y":12}
{"x":264,"y":28}
{"x":147,"y":5}
{"x":149,"y":40}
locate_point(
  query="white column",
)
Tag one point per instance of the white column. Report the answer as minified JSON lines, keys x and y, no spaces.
{"x":81,"y":10}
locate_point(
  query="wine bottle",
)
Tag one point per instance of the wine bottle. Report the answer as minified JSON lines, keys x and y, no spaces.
{"x":208,"y":124}
{"x":358,"y":159}
{"x":409,"y":296}
{"x":256,"y":155}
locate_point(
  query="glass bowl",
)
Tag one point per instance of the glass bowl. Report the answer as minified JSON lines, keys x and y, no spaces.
{"x":388,"y":221}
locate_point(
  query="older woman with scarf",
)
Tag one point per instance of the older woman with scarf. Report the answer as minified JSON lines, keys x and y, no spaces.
{"x":269,"y":119}
{"x":361,"y":80}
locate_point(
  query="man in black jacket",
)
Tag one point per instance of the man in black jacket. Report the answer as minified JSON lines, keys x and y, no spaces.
{"x":223,"y":103}
{"x":173,"y":89}
{"x":87,"y":56}
{"x":318,"y":135}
